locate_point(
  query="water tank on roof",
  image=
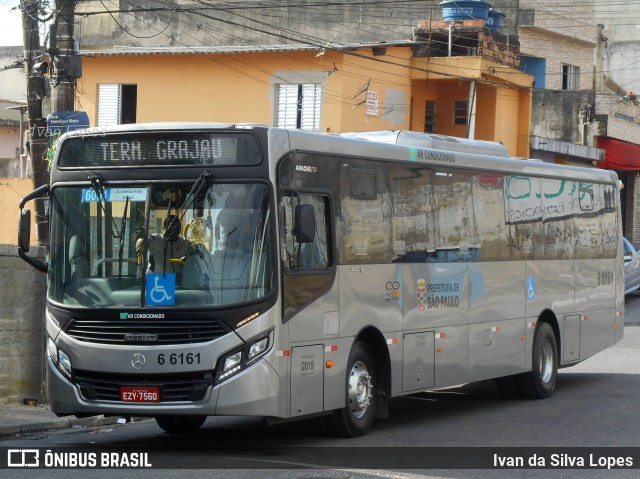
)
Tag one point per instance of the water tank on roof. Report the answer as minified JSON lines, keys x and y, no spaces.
{"x":494,"y":22}
{"x":465,"y":10}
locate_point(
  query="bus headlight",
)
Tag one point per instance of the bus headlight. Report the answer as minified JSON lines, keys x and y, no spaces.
{"x":59,"y":357}
{"x":64,"y":361}
{"x":258,"y":348}
{"x":239,"y":359}
{"x":232,"y":364}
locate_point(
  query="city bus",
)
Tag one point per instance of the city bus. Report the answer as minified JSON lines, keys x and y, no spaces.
{"x":199,"y":270}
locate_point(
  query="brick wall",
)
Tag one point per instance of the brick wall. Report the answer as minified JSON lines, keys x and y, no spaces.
{"x":559,"y":50}
{"x":623,"y":120}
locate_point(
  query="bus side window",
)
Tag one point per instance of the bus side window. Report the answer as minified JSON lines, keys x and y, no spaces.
{"x":306,"y":246}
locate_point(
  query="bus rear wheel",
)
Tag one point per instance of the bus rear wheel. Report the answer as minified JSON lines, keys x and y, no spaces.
{"x":180,"y":424}
{"x":540,"y":382}
{"x":356,"y":418}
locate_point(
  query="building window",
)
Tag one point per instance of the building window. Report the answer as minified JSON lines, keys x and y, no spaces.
{"x":460,"y":113}
{"x":570,"y":77}
{"x":430,"y":117}
{"x":116,"y":104}
{"x":298,"y":106}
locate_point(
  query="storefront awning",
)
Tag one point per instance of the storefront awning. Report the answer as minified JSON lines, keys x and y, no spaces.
{"x":619,"y":155}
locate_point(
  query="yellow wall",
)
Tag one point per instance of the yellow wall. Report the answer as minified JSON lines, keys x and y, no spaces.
{"x":240,"y":88}
{"x":524,"y":121}
{"x":508,"y":119}
{"x":486,"y":113}
{"x":12,"y":190}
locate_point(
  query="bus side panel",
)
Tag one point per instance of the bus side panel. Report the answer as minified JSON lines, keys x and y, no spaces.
{"x":595,"y":284}
{"x":373,"y":295}
{"x":596,"y":301}
{"x":317,"y":320}
{"x":496,"y":291}
{"x":496,"y":349}
{"x":549,"y":285}
{"x":367,"y":299}
{"x":496,"y":317}
{"x":318,"y":323}
{"x":435,"y":298}
{"x":452,"y":356}
{"x":435,"y":295}
{"x":597,"y":332}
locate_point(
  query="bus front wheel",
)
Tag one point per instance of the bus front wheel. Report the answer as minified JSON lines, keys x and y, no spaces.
{"x":356,"y":418}
{"x":180,"y":424}
{"x":540,"y":382}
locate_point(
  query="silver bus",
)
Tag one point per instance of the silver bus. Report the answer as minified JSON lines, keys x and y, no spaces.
{"x":196,"y":270}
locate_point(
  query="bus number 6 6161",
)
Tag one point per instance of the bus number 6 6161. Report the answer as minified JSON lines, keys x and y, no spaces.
{"x":178,"y":358}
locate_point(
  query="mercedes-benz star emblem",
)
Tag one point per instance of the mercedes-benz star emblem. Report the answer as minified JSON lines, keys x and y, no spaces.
{"x":138,"y":360}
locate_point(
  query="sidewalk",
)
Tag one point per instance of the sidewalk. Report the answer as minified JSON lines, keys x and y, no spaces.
{"x":17,"y":419}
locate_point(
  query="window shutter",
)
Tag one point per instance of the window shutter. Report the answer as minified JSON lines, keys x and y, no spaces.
{"x":286,"y":106}
{"x":310,"y":111}
{"x":298,"y":106}
{"x":109,"y":101}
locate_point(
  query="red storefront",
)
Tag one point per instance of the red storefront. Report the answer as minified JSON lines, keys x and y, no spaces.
{"x":624,"y":158}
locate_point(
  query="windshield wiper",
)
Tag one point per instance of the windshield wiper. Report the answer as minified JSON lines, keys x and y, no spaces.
{"x":123,"y":227}
{"x":98,"y":186}
{"x":196,"y":189}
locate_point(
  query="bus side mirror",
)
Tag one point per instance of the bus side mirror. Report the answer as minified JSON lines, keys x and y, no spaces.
{"x":305,"y":226}
{"x":24,"y":230}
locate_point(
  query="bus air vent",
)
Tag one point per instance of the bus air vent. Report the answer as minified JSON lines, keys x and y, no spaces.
{"x":144,"y":332}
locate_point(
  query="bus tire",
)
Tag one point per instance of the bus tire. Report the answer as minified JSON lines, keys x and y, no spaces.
{"x":356,"y":418}
{"x":180,"y":424}
{"x":540,"y":382}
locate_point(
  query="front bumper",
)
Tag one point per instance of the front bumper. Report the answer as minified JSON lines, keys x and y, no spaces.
{"x":252,"y":392}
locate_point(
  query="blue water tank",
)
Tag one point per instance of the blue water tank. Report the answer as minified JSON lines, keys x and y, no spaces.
{"x":465,"y":9}
{"x":494,"y":22}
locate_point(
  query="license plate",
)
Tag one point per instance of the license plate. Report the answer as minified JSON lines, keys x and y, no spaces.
{"x":141,"y":394}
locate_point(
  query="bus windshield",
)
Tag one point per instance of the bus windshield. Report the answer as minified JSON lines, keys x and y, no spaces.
{"x":181,"y":245}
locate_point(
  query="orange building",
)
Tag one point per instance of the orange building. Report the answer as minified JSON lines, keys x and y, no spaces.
{"x":360,"y":88}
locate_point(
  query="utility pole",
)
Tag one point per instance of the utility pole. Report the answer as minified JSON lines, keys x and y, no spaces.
{"x":66,"y":62}
{"x":36,"y":89}
{"x":64,"y":68}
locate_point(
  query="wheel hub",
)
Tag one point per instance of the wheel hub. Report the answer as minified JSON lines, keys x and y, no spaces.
{"x":360,"y":389}
{"x":546,"y":362}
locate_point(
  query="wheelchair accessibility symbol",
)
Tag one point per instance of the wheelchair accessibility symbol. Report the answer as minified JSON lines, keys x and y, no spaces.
{"x":161,"y":289}
{"x":531,"y":287}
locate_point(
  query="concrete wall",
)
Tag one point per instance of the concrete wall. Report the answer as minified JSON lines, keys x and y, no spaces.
{"x":556,"y":114}
{"x":258,"y":23}
{"x":254,"y":23}
{"x":622,"y":52}
{"x":22,"y":299}
{"x":13,"y":84}
{"x":570,"y":19}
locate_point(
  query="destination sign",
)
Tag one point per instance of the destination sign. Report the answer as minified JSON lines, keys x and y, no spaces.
{"x":114,"y":194}
{"x":161,"y":149}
